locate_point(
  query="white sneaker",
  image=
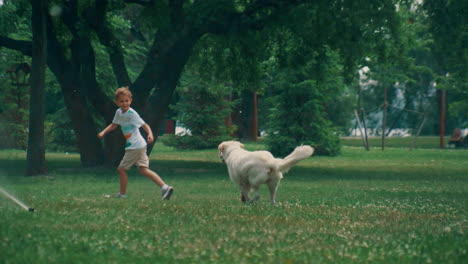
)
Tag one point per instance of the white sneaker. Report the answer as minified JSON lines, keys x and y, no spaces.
{"x":166,"y":194}
{"x":119,"y":195}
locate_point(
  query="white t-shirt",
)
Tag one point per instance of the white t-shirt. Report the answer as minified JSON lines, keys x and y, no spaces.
{"x":130,"y":122}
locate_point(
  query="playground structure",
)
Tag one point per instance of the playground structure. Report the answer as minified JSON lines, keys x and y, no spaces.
{"x":362,"y":125}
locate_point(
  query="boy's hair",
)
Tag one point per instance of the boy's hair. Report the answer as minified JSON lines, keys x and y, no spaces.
{"x":122,"y":91}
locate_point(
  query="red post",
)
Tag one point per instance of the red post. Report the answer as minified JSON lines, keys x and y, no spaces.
{"x":254,"y":118}
{"x":384,"y":118}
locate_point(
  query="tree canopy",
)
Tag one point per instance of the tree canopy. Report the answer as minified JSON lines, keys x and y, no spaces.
{"x":95,"y":46}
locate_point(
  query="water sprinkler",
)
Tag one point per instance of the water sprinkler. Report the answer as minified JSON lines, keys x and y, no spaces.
{"x":24,"y":206}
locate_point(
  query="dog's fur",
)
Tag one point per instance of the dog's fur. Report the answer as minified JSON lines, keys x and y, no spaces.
{"x":250,"y":169}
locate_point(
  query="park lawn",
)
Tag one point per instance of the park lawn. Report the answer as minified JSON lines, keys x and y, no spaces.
{"x":396,"y":206}
{"x":425,"y":142}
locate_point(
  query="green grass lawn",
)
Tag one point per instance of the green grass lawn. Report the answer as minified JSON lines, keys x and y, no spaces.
{"x":425,"y":142}
{"x":396,"y":206}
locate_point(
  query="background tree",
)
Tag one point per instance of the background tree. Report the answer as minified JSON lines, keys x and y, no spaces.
{"x":412,"y":76}
{"x":72,"y":29}
{"x":448,"y":24}
{"x":298,"y":108}
{"x":171,"y":30}
{"x":14,"y":101}
{"x":202,"y":109}
{"x":321,"y":62}
{"x":14,"y":107}
{"x":236,"y":58}
{"x":36,"y":163}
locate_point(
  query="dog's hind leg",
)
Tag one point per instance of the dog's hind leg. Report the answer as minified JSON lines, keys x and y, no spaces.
{"x":243,"y":199}
{"x":256,"y":197}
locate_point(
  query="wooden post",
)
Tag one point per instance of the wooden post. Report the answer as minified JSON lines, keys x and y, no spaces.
{"x":419,"y":131}
{"x":442,"y":117}
{"x":384,"y":118}
{"x":254,"y":118}
{"x":365,"y":128}
{"x":366,"y":146}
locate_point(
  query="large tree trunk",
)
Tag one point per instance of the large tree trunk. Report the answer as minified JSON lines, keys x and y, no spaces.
{"x":79,"y":88}
{"x":89,"y":146}
{"x":36,"y":164}
{"x":167,"y":60}
{"x":114,"y":150}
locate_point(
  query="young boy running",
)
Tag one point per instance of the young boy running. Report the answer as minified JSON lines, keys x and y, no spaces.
{"x":135,"y":149}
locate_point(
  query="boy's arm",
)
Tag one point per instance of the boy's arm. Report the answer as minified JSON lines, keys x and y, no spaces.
{"x":108,"y":129}
{"x":149,"y":132}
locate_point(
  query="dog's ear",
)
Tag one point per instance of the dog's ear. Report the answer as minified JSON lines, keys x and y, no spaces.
{"x":242,"y":145}
{"x":221,"y":148}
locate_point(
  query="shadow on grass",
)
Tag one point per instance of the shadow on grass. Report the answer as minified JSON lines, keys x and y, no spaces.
{"x":182,"y":168}
{"x":17,"y":168}
{"x":372,"y":173}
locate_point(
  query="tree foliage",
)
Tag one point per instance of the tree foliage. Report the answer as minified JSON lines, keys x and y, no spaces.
{"x":169,"y":29}
{"x":448,"y":25}
{"x":413,"y":76}
{"x":202,"y":108}
{"x":14,"y":112}
{"x":298,"y":107}
{"x":97,"y":45}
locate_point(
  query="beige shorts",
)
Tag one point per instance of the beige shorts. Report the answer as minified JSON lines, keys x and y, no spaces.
{"x":136,"y":157}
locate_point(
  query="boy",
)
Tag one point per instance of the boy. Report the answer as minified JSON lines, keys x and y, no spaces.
{"x":135,"y":148}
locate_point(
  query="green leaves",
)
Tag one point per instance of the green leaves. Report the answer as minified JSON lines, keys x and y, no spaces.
{"x":298,"y":114}
{"x":202,"y":109}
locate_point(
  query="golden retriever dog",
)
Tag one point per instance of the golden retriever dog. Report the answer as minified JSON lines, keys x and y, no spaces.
{"x":249,"y":169}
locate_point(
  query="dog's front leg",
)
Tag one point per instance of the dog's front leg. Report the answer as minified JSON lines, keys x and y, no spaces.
{"x":256,"y":193}
{"x":245,"y":190}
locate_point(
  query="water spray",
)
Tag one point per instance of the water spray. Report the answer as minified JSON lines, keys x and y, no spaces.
{"x":25,"y":207}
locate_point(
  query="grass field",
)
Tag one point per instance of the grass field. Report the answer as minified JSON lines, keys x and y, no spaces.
{"x":397,"y":206}
{"x":424,"y":142}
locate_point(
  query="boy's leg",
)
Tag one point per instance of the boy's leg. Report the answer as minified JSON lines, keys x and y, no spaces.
{"x":152,"y":175}
{"x":166,"y":189}
{"x":123,"y":180}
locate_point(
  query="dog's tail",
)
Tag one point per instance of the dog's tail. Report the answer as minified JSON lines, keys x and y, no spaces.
{"x":299,"y":153}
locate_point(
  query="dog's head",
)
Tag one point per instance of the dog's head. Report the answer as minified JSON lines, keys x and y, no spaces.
{"x":225,"y":146}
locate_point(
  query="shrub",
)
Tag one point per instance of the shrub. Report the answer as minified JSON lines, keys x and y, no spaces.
{"x":60,"y":135}
{"x":13,"y":136}
{"x":202,"y":109}
{"x":298,"y":117}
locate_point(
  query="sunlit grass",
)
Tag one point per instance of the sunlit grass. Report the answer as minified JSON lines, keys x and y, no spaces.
{"x":396,"y":206}
{"x":424,"y":142}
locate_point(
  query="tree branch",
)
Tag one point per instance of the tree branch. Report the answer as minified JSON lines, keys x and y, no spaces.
{"x":22,"y":46}
{"x":176,"y":11}
{"x":55,"y":55}
{"x":146,"y":3}
{"x":97,"y":20}
{"x":168,"y":39}
{"x":70,"y":16}
{"x":255,"y":16}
